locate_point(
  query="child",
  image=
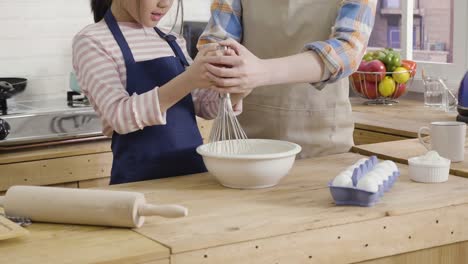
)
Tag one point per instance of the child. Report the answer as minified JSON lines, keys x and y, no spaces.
{"x":135,"y":77}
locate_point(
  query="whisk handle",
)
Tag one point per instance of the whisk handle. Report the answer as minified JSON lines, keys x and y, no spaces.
{"x":225,"y":95}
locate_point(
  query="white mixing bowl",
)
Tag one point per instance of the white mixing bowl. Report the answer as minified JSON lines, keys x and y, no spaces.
{"x":263,"y":164}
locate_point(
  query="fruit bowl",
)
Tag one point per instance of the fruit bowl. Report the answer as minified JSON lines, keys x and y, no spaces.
{"x":383,"y":77}
{"x":381,"y":87}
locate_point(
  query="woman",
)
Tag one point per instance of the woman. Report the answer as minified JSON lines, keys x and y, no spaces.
{"x":297,"y":42}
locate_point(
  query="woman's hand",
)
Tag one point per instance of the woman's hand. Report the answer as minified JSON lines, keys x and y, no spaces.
{"x":221,"y":51}
{"x":236,"y":74}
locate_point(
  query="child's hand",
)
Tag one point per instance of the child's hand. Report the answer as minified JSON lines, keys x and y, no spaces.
{"x":197,"y":73}
{"x":221,"y":51}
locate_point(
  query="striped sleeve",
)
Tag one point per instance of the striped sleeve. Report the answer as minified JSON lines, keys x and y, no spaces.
{"x":206,"y":102}
{"x":225,"y":22}
{"x":343,"y":52}
{"x":99,"y":79}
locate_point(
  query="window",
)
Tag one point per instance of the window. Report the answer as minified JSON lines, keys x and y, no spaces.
{"x":393,"y":37}
{"x":392,"y":4}
{"x":438,"y":33}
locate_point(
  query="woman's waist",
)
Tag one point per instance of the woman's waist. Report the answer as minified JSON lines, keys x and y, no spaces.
{"x":298,"y":98}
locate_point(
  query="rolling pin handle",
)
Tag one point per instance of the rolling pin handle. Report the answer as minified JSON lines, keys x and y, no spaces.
{"x":170,"y":211}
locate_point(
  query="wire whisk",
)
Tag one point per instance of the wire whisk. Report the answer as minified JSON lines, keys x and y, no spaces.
{"x":227,"y":135}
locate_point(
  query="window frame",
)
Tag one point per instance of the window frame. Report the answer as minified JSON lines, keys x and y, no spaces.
{"x":453,"y":72}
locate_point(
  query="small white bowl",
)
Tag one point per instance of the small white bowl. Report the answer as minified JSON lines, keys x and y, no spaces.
{"x":423,"y":171}
{"x":263,"y":164}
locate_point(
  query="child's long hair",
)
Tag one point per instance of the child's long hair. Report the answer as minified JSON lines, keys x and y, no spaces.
{"x":100,"y":7}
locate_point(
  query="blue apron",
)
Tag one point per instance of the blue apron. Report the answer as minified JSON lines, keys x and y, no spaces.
{"x":163,"y":150}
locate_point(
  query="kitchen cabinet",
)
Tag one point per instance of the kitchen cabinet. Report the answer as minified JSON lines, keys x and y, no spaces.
{"x":205,"y":127}
{"x":74,"y":165}
{"x":294,"y":222}
{"x":363,"y":136}
{"x":381,"y":123}
{"x":64,"y":165}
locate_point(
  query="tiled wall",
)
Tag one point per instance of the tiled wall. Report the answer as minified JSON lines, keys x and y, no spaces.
{"x":36,"y":35}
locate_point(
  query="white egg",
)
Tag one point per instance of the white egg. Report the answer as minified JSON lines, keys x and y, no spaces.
{"x":383,"y":176}
{"x":384,"y":165}
{"x":346,"y":174}
{"x":392,"y":165}
{"x":380,"y":169}
{"x":375,"y":176}
{"x":342,"y":181}
{"x":383,"y":173}
{"x":350,"y":169}
{"x":357,"y":164}
{"x":368,"y":184}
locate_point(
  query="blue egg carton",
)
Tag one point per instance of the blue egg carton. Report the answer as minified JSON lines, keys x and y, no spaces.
{"x":358,"y":197}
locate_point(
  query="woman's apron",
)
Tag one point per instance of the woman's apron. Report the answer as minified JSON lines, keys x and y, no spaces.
{"x":318,"y":120}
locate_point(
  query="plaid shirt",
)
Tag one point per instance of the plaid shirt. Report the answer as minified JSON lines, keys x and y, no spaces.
{"x":341,"y":53}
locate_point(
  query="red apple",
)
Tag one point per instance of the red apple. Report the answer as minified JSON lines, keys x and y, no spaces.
{"x":400,"y":90}
{"x":374,"y":70}
{"x":357,"y":82}
{"x":369,"y":89}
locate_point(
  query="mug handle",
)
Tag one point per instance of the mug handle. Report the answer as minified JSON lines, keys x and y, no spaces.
{"x":421,"y":139}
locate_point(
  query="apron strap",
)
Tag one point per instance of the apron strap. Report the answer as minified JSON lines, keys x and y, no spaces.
{"x":119,"y":37}
{"x":174,"y":46}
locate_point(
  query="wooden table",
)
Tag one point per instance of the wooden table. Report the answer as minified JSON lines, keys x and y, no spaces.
{"x":379,"y":123}
{"x":295,"y":222}
{"x":401,"y":151}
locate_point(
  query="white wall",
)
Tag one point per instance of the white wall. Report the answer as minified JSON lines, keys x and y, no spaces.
{"x":194,"y":10}
{"x":36,"y":36}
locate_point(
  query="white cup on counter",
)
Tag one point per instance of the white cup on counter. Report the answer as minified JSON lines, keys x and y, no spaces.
{"x":447,"y":138}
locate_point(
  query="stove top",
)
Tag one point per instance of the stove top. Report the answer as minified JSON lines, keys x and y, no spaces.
{"x":48,"y":120}
{"x":72,"y":100}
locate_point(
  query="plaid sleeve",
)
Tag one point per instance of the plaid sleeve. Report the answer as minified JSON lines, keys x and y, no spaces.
{"x":225,"y":22}
{"x":343,"y":52}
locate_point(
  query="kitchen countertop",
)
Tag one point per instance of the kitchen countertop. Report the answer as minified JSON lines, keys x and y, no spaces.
{"x":401,"y":151}
{"x":295,"y":222}
{"x":402,"y":119}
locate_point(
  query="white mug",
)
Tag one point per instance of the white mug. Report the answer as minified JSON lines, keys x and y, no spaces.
{"x":447,"y":138}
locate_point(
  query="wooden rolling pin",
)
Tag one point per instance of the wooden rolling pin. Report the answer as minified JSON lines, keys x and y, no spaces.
{"x":83,"y":206}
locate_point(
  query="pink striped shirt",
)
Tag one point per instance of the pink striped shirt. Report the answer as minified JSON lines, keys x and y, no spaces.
{"x":100,"y":68}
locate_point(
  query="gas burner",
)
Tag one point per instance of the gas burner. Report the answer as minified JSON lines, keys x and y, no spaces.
{"x":75,"y":99}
